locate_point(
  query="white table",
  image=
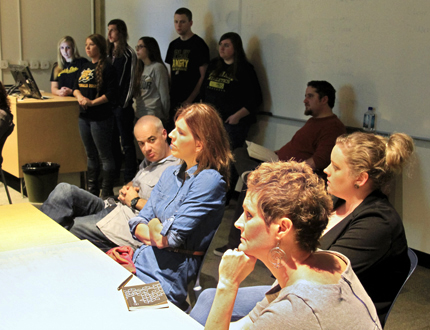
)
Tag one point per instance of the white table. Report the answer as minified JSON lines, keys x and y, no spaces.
{"x":73,"y":286}
{"x":24,"y":226}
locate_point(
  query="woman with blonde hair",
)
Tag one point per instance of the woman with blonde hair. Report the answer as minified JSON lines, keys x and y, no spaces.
{"x":364,"y":225}
{"x":95,"y":90}
{"x":285,"y":211}
{"x":66,"y":69}
{"x":186,"y":206}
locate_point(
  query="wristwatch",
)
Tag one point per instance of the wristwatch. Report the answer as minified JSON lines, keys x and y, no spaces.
{"x":134,"y":202}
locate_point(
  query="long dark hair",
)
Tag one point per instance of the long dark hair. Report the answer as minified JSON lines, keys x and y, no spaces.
{"x":123,"y":37}
{"x":4,"y":101}
{"x":239,"y":55}
{"x":100,"y":42}
{"x":154,"y":55}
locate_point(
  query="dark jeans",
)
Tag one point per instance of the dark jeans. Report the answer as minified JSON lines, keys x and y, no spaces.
{"x":237,"y":134}
{"x":246,"y":299}
{"x":78,"y":211}
{"x":97,"y":139}
{"x":124,"y":119}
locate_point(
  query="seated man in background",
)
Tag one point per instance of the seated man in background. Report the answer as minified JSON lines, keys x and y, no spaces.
{"x":311,"y":144}
{"x":105,"y":223}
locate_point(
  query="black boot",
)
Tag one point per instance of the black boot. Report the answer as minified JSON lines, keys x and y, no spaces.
{"x":107,"y":185}
{"x":93,"y":181}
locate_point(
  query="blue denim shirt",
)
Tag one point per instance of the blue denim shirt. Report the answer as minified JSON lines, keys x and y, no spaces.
{"x":190,"y":211}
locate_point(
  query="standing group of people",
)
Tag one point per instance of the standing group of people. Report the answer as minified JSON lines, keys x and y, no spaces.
{"x":105,"y":88}
{"x":169,"y":211}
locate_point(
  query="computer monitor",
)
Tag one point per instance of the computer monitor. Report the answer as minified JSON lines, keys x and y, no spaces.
{"x":24,"y":81}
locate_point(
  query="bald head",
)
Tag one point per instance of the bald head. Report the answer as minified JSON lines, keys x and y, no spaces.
{"x":149,"y":121}
{"x":151,"y":137}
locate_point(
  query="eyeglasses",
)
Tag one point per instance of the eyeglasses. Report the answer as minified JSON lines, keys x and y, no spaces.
{"x":139,"y":47}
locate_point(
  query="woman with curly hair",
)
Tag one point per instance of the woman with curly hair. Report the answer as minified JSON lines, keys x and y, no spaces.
{"x":285,"y":211}
{"x":95,"y":90}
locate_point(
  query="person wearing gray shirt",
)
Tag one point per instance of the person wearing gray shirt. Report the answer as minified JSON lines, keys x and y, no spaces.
{"x":105,"y":223}
{"x":152,"y":81}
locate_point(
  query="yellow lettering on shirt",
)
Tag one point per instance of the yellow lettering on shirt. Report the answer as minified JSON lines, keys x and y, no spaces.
{"x":216,"y":85}
{"x":219,"y":82}
{"x":180,"y":64}
{"x":69,"y":70}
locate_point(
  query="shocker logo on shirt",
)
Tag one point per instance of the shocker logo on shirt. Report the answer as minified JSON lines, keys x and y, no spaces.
{"x":86,"y":75}
{"x":218,"y":82}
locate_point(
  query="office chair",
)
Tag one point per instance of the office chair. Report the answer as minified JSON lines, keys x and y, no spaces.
{"x":2,"y":142}
{"x":194,"y":292}
{"x":414,"y":262}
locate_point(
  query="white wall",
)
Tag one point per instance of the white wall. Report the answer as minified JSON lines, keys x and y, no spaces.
{"x":374,"y":52}
{"x":43,"y":24}
{"x":281,"y":40}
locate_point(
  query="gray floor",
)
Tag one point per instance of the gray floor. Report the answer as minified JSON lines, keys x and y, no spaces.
{"x":411,"y":310}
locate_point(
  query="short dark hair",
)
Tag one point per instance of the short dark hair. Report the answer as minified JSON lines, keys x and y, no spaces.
{"x":186,"y":12}
{"x":324,"y":88}
{"x":4,"y":101}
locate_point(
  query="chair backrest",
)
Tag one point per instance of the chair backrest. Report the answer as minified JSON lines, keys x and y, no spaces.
{"x":3,"y":140}
{"x":197,"y":288}
{"x":414,"y":262}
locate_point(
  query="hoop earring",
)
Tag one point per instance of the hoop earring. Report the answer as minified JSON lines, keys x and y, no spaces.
{"x":356,"y":186}
{"x":276,"y":254}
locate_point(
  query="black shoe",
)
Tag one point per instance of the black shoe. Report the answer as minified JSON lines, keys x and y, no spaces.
{"x":221,"y":250}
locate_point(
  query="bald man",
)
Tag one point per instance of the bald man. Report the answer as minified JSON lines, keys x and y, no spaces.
{"x":105,"y":223}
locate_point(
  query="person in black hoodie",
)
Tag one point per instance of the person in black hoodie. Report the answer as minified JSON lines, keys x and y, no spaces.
{"x":124,"y":60}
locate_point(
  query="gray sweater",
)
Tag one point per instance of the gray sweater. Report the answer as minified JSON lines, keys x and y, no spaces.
{"x":154,"y":92}
{"x":304,"y":305}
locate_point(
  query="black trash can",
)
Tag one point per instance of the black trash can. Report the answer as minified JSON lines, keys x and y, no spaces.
{"x":40,"y":179}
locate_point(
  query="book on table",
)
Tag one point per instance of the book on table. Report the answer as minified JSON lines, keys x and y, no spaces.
{"x":145,"y":295}
{"x":261,"y":153}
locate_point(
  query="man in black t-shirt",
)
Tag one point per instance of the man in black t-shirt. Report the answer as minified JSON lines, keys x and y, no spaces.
{"x":188,"y":57}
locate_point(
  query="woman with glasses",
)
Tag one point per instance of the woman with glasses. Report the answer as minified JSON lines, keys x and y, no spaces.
{"x":151,"y":85}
